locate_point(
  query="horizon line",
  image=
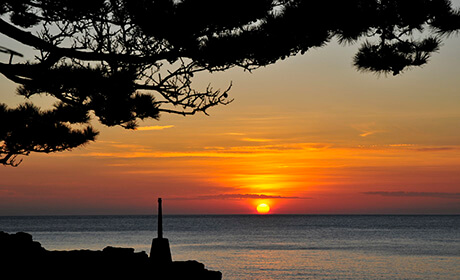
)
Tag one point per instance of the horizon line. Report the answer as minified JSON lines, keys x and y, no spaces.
{"x":241,"y":214}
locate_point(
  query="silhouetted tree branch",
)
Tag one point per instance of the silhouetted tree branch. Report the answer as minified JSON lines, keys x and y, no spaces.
{"x":124,"y":61}
{"x":28,"y":129}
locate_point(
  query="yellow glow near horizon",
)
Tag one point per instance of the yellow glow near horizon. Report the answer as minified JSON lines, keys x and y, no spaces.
{"x":263,"y":208}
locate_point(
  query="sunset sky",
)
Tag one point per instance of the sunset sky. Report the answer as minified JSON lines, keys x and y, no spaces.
{"x":308,"y":135}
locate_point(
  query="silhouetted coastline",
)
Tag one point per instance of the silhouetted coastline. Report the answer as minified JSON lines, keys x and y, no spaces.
{"x":22,"y":257}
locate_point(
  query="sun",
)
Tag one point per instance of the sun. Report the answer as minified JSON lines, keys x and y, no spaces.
{"x":263,"y":208}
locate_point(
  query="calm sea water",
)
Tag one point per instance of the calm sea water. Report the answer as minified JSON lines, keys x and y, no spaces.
{"x":273,"y":246}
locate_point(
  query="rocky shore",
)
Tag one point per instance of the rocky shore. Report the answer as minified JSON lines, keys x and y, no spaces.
{"x":21,"y":258}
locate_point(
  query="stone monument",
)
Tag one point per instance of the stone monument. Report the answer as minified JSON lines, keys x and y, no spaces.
{"x":160,"y":254}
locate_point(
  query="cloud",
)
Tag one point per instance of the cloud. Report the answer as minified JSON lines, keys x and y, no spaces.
{"x":410,"y":147}
{"x":435,"y":149}
{"x":124,"y":146}
{"x":402,"y":145}
{"x":7,"y":193}
{"x":234,"y":133}
{"x":367,"y":133}
{"x":154,"y":127}
{"x":239,"y":196}
{"x":367,"y":129}
{"x":415,"y":194}
{"x":135,"y":151}
{"x":256,"y":140}
{"x":423,"y":149}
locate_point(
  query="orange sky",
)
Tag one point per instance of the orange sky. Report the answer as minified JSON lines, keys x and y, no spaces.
{"x":309,"y":135}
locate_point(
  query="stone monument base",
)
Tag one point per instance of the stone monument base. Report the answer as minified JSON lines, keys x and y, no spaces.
{"x":160,"y":253}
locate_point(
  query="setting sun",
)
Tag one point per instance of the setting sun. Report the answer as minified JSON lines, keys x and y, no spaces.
{"x":263,"y":208}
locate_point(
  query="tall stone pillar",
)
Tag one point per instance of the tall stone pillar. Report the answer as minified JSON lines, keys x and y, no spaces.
{"x":160,"y":253}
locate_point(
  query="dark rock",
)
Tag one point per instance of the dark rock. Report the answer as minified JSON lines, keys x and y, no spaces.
{"x":22,"y":257}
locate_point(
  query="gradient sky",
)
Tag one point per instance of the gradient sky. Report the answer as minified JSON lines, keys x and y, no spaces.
{"x":308,"y":135}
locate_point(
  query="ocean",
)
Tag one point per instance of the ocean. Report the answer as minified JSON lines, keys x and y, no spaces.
{"x":269,"y":247}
